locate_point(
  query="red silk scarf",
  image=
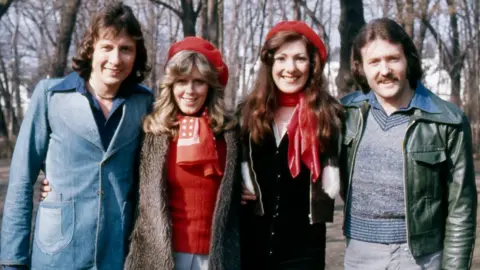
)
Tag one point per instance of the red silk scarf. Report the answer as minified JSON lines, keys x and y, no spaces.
{"x":302,"y":142}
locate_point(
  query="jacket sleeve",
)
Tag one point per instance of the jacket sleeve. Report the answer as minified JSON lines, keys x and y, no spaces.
{"x":28,"y":156}
{"x":462,"y":200}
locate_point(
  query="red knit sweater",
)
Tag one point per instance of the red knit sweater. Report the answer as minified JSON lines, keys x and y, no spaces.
{"x":192,"y":199}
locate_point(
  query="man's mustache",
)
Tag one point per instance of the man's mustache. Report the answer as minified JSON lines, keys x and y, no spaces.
{"x":389,"y":77}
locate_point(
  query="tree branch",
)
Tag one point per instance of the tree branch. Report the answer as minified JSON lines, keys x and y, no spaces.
{"x":319,"y":24}
{"x":161,"y":3}
{"x":199,"y":8}
{"x":469,"y":43}
{"x":443,"y":47}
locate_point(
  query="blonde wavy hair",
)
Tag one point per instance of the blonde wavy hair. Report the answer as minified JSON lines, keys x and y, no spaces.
{"x":163,"y":118}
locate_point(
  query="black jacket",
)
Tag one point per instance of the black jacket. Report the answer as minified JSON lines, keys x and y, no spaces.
{"x":287,"y":221}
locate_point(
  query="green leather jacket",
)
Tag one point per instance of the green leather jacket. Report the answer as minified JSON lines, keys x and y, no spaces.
{"x":439,"y":178}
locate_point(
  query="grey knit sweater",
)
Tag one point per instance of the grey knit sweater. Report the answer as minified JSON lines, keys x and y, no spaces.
{"x":376,"y":210}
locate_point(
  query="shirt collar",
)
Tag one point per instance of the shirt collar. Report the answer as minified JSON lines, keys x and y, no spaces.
{"x":71,"y":82}
{"x":421,"y":100}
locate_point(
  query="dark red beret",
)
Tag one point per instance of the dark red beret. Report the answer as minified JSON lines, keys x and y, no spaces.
{"x":303,"y":29}
{"x":205,"y":48}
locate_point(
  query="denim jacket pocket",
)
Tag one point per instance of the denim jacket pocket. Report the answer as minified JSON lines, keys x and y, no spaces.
{"x":54,"y":226}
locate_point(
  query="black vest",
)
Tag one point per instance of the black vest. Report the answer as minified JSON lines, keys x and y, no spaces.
{"x":284,"y":232}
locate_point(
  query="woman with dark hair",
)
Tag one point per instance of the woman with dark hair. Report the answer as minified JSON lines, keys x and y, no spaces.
{"x":189,"y":171}
{"x":291,"y":129}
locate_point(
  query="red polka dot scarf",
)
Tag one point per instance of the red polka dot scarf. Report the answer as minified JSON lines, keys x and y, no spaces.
{"x":196,"y":144}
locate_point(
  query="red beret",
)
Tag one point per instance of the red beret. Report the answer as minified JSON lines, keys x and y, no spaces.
{"x":205,"y":48}
{"x":303,"y":29}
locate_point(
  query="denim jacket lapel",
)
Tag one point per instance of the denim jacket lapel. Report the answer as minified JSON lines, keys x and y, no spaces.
{"x":75,"y":111}
{"x":129,"y":127}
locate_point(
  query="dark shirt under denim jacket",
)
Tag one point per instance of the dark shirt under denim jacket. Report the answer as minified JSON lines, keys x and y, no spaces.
{"x":90,"y":161}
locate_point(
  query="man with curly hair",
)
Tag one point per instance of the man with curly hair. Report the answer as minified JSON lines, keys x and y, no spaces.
{"x":83,"y":131}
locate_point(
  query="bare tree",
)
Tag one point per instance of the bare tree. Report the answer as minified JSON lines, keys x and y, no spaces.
{"x":67,"y":23}
{"x":314,"y":19}
{"x":405,"y":15}
{"x":424,"y":16}
{"x":187,"y":14}
{"x":6,"y":94}
{"x":351,"y":20}
{"x":385,"y":7}
{"x":297,"y":13}
{"x":16,"y":75}
{"x":220,"y":11}
{"x":211,"y":23}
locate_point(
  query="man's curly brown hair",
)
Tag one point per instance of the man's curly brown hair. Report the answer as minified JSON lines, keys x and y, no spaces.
{"x":109,"y":22}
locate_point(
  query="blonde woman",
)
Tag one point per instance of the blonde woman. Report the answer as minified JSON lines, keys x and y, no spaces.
{"x":189,"y":178}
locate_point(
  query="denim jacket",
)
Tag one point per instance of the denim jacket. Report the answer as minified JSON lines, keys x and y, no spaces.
{"x":86,"y":221}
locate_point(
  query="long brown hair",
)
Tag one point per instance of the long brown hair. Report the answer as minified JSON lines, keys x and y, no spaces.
{"x":258,"y":109}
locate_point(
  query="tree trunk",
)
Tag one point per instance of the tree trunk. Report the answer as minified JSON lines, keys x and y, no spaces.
{"x":351,"y":20}
{"x":409,"y":18}
{"x":211,"y":20}
{"x":5,"y":144}
{"x":419,"y":39}
{"x":203,"y":30}
{"x":297,"y":13}
{"x":400,"y":4}
{"x":212,"y":11}
{"x":189,"y":18}
{"x":457,"y":62}
{"x":188,"y":15}
{"x":220,"y":10}
{"x":3,"y":125}
{"x":385,"y":8}
{"x":3,"y":121}
{"x":16,"y":78}
{"x":67,"y":23}
{"x":152,"y":14}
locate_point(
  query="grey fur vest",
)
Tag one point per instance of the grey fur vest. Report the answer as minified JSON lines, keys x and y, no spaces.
{"x":151,"y":244}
